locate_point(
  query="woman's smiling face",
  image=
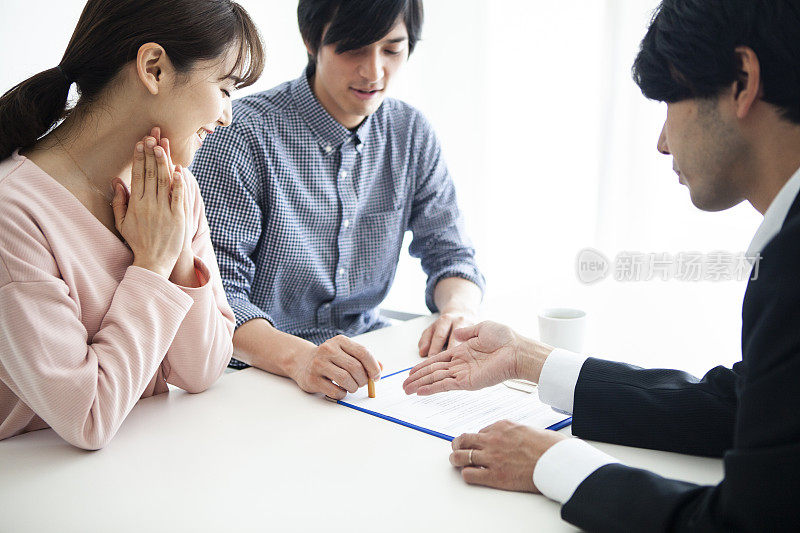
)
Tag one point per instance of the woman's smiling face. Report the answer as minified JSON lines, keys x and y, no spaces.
{"x":195,"y":105}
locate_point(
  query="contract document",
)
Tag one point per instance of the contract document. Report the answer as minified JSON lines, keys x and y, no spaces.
{"x":449,"y":414}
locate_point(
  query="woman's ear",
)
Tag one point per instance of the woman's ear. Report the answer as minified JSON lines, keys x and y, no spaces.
{"x":153,"y":67}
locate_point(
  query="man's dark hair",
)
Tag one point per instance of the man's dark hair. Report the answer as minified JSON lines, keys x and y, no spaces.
{"x":689,"y":50}
{"x":355,"y":23}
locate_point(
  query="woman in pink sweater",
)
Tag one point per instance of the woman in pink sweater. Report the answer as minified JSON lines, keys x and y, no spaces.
{"x":109,"y":288}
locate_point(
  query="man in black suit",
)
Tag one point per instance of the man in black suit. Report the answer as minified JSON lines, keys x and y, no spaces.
{"x":729,"y":71}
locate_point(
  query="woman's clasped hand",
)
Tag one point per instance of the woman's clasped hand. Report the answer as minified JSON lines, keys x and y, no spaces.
{"x":152,"y":218}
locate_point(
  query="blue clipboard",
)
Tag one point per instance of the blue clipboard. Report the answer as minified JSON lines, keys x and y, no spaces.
{"x":555,"y":427}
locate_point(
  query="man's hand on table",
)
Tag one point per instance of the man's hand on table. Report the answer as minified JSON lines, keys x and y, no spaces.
{"x":439,"y":335}
{"x":335,"y":367}
{"x":503,"y":455}
{"x":486,"y":354}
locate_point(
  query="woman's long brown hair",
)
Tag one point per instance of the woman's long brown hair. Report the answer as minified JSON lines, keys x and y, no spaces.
{"x":108,"y":36}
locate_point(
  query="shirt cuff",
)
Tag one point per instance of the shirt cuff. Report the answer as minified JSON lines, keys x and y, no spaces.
{"x":565,"y":465}
{"x":244,"y":311}
{"x":154,"y":282}
{"x":465,"y":271}
{"x":559,"y":377}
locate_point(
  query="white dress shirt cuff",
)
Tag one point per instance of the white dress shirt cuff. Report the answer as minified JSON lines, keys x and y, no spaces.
{"x":559,"y":378}
{"x":565,"y":466}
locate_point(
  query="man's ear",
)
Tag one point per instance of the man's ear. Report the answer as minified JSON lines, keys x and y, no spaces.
{"x":312,"y":54}
{"x":152,"y":66}
{"x":747,"y":88}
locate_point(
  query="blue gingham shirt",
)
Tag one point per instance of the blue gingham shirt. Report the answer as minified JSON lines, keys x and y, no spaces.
{"x":307,"y":217}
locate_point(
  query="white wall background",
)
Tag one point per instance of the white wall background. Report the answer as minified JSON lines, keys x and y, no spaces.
{"x":552,"y":148}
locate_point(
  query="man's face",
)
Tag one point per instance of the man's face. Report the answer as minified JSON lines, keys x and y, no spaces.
{"x":707,"y":152}
{"x":353,"y":84}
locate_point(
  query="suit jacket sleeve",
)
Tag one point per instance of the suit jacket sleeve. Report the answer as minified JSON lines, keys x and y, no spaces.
{"x":762,"y":466}
{"x":622,"y":404}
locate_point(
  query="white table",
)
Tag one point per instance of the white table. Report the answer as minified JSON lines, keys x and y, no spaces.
{"x":254,"y":453}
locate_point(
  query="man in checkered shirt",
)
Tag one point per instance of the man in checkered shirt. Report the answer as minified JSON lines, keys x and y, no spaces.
{"x":310,"y":191}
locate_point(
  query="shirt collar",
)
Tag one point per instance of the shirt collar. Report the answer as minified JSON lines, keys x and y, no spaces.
{"x":775,"y":215}
{"x":329,"y":133}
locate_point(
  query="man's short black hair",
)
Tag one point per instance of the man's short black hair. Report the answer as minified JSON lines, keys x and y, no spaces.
{"x":689,"y":50}
{"x":356,"y":23}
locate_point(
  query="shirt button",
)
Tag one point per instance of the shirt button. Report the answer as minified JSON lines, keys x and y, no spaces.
{"x":326,"y":306}
{"x":341,"y":272}
{"x":343,"y":173}
{"x":328,"y":148}
{"x":346,"y":223}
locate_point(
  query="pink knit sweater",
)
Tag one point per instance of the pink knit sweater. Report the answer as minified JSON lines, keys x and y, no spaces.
{"x":83,"y":334}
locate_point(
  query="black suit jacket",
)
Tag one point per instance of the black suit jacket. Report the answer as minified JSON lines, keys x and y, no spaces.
{"x":749,"y":415}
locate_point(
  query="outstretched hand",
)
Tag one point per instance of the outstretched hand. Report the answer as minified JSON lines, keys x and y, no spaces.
{"x":489,"y":353}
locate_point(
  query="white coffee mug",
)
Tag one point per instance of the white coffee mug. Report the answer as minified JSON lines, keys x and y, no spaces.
{"x":562,"y":327}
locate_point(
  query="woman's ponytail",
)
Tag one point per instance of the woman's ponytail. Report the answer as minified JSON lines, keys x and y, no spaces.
{"x":31,"y":108}
{"x":108,"y":36}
